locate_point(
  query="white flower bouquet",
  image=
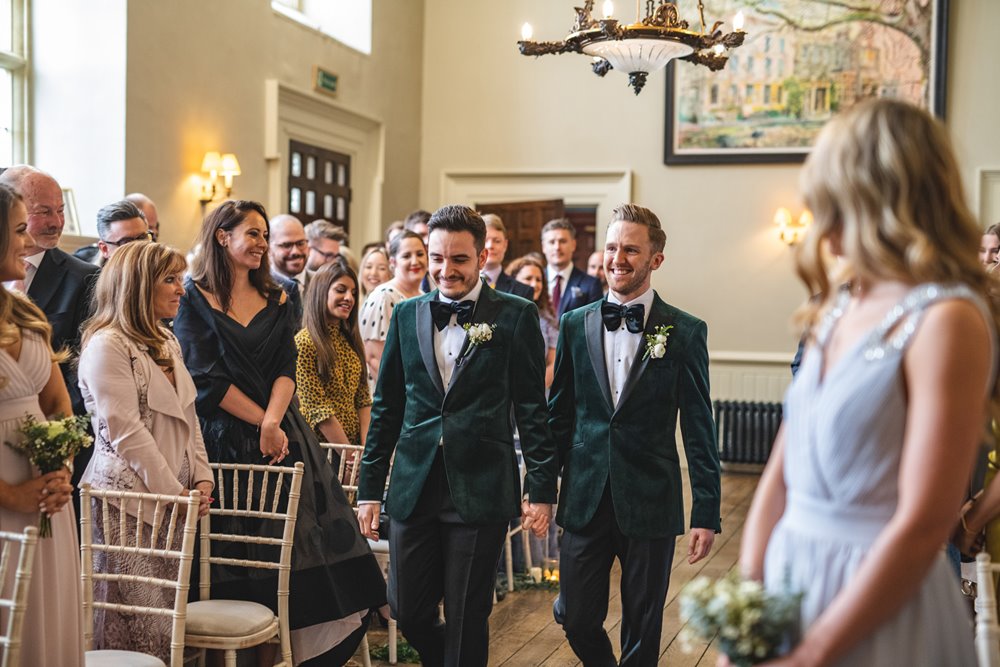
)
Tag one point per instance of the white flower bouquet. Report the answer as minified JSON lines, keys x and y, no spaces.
{"x":50,"y":446}
{"x":752,"y":624}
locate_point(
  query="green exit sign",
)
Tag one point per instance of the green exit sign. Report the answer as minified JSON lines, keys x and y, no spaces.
{"x":324,"y":82}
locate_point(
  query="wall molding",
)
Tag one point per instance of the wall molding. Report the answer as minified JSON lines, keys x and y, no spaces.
{"x":603,"y":188}
{"x":294,"y":113}
{"x":988,"y":196}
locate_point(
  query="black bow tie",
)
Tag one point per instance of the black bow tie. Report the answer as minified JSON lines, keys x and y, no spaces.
{"x":442,"y":312}
{"x":612,"y":314}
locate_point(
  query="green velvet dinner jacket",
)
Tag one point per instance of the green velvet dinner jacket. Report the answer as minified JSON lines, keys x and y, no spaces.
{"x":471,"y":418}
{"x":634,"y":445}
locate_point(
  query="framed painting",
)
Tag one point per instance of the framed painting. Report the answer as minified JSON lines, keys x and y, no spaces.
{"x":803,"y":62}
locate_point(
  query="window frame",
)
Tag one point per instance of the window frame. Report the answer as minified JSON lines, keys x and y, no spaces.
{"x":16,"y":62}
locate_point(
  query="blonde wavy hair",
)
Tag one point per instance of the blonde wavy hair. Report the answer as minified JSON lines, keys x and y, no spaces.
{"x":123,"y":298}
{"x":17,"y":312}
{"x":884,"y":188}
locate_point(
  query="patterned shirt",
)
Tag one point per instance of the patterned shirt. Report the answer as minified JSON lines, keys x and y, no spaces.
{"x":342,"y":396}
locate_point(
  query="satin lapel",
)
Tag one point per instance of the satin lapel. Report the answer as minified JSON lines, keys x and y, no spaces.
{"x":48,"y":277}
{"x":657,"y":317}
{"x":595,"y":346}
{"x":487,"y":307}
{"x":425,"y":339}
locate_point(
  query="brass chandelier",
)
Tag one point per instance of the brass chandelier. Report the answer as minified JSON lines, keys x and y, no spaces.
{"x":641,"y":47}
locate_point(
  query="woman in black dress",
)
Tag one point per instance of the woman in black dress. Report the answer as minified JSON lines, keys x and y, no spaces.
{"x":237,"y":333}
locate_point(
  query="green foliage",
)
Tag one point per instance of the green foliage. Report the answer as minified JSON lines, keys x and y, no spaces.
{"x":404,"y":652}
{"x":794,"y":96}
{"x":49,"y":445}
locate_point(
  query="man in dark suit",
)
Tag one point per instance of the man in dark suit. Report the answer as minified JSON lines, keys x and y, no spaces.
{"x":496,"y":250}
{"x":624,"y":369}
{"x":457,"y":363}
{"x":58,"y":283}
{"x":569,"y":287}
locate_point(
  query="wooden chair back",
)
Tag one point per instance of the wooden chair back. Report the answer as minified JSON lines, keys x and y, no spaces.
{"x":18,"y":549}
{"x":265,"y":492}
{"x":179,"y":514}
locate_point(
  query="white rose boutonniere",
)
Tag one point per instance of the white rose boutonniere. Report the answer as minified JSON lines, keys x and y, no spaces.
{"x":656,"y":342}
{"x":479,"y":333}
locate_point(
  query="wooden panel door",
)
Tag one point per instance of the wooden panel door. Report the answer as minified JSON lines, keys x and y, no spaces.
{"x":524,"y":221}
{"x":319,"y":184}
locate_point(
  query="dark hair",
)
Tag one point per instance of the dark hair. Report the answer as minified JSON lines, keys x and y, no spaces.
{"x":559,"y":223}
{"x":120,"y":210}
{"x":212,"y":270}
{"x":544,"y":306}
{"x":316,"y":319}
{"x":459,"y":219}
{"x":642,"y":216}
{"x":398,"y":241}
{"x":420,"y":216}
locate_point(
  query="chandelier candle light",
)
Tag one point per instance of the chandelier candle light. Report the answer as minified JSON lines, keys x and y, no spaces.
{"x":644,"y":46}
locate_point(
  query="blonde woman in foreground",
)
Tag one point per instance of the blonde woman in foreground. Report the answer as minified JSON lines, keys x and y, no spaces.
{"x":885,"y":416}
{"x":30,"y":383}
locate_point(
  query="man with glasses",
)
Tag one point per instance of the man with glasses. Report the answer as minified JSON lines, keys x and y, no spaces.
{"x":287,"y":251}
{"x":325,"y":239}
{"x":119,"y":224}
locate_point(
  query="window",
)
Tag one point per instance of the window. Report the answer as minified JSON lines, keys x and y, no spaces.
{"x":319,"y":184}
{"x":13,"y":83}
{"x":347,"y":21}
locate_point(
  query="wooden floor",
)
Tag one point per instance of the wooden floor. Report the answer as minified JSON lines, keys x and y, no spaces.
{"x":523,"y":634}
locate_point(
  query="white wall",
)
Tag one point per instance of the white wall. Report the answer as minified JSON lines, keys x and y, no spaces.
{"x":196,"y":82}
{"x":78,"y":62}
{"x":486,"y":107}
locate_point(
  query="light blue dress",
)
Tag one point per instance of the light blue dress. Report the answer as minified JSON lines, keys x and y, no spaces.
{"x":843,"y":443}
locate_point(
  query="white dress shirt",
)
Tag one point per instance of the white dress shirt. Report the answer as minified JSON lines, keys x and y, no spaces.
{"x":448,"y":342}
{"x":31,"y":265}
{"x":550,"y":278}
{"x":491,"y":276}
{"x":621,"y":346}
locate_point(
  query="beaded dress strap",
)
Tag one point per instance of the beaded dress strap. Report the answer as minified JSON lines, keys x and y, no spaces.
{"x":832,"y":316}
{"x":903,"y":319}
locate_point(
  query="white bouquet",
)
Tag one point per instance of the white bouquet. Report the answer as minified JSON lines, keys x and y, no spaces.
{"x":752,"y":624}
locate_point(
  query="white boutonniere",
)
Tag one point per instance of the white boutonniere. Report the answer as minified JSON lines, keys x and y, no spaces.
{"x":479,"y":333}
{"x":656,"y":342}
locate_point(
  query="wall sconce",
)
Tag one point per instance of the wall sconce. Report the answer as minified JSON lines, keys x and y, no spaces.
{"x":789,"y":230}
{"x":215,"y":164}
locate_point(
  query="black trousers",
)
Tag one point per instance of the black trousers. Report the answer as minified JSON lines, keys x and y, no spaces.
{"x":434,"y":555}
{"x":585,"y":560}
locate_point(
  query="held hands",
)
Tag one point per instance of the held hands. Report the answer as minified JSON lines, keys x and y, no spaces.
{"x":368,"y":517}
{"x":700,"y":544}
{"x":49,"y":492}
{"x":205,"y":501}
{"x":535,"y":517}
{"x":273,"y":441}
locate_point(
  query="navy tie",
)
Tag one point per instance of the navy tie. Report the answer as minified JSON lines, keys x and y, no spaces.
{"x":614,"y":313}
{"x":442,"y":312}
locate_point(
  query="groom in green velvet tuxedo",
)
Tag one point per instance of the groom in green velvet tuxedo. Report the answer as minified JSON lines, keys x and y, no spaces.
{"x":625,"y":367}
{"x":458,"y":364}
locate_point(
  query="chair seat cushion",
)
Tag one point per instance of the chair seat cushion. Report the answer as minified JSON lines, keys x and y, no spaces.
{"x":121,"y":659}
{"x":227,"y":618}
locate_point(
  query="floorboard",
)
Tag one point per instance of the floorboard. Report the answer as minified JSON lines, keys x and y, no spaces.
{"x":523,"y":633}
